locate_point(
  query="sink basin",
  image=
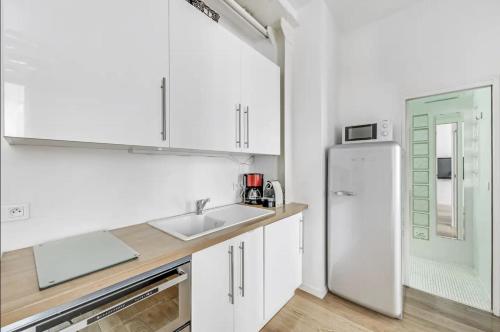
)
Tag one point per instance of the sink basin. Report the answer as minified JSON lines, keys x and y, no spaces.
{"x":190,"y":226}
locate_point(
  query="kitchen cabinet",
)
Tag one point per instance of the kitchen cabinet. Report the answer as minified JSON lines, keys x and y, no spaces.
{"x":205,"y":82}
{"x":84,"y":71}
{"x":225,"y":96}
{"x":261,"y":103}
{"x":283,"y":246}
{"x":211,"y":283}
{"x":249,"y":310}
{"x":227,"y":285}
{"x":163,"y":75}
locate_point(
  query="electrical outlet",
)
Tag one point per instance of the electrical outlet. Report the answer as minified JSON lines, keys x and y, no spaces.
{"x":15,"y":212}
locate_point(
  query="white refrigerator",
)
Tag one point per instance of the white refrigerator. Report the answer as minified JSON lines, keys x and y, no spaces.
{"x":364,"y":225}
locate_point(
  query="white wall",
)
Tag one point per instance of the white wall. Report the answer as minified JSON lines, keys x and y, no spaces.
{"x":313,"y":109}
{"x":436,"y":44}
{"x":75,"y":190}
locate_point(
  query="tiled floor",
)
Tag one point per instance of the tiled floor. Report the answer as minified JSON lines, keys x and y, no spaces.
{"x":454,"y":282}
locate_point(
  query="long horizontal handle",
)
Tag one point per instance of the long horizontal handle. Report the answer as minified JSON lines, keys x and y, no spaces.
{"x":344,"y":193}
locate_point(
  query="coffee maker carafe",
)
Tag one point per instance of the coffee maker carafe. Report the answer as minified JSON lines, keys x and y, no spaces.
{"x":252,"y":188}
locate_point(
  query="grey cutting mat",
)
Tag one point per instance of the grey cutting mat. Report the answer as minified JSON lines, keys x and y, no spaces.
{"x":62,"y":260}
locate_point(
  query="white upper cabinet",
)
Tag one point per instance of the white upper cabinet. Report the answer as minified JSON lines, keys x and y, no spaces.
{"x":205,"y":81}
{"x":153,"y":73}
{"x":261,"y":103}
{"x":86,"y":70}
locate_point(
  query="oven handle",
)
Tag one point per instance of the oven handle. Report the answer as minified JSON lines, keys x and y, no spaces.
{"x":183,"y":276}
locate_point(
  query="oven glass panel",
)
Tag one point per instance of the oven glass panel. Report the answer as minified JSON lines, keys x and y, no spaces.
{"x":165,"y":310}
{"x":152,"y":314}
{"x":357,"y":133}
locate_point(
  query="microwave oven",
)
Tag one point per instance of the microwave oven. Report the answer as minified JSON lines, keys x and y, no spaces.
{"x":380,"y":131}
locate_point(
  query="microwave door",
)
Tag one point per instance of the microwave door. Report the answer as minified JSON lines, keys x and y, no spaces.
{"x":361,"y":133}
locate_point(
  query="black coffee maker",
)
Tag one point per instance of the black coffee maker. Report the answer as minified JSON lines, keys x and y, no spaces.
{"x":253,"y":184}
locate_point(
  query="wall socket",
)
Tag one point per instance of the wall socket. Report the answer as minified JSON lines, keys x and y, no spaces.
{"x":15,"y":212}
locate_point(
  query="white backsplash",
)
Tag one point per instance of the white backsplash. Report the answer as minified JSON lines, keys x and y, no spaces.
{"x":76,"y":190}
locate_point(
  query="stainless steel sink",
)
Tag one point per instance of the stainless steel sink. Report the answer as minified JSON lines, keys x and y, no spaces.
{"x":190,"y":226}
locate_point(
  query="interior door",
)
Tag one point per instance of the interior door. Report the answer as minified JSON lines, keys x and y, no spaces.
{"x":205,"y":82}
{"x":212,"y":283}
{"x":83,"y":70}
{"x":261,"y":103}
{"x":249,"y":307}
{"x":282,"y":266}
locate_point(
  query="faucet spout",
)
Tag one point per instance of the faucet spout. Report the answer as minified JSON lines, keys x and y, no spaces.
{"x":200,"y":205}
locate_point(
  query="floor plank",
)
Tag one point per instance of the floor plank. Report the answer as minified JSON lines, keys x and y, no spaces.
{"x":422,"y":312}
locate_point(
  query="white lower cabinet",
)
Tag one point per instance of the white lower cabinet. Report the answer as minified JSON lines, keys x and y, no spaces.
{"x":227,"y":285}
{"x":283,"y":245}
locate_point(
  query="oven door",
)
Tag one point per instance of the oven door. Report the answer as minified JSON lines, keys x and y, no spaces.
{"x":159,"y":303}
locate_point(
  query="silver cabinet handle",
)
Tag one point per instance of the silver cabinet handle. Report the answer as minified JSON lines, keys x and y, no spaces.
{"x":247,"y":132}
{"x":182,"y":276}
{"x":238,"y":126}
{"x":164,"y":109}
{"x":301,"y":239}
{"x":344,"y":193}
{"x":231,"y":275}
{"x":242,"y":276}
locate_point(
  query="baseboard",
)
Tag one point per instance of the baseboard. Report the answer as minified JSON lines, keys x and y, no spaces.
{"x":318,"y":292}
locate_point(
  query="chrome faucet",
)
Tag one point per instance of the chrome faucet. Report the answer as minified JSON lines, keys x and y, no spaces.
{"x":200,"y":205}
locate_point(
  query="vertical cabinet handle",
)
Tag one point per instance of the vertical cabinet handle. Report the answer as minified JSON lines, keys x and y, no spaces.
{"x":164,"y":109}
{"x":247,"y":131}
{"x":238,"y":126}
{"x":301,"y":237}
{"x":231,"y":275}
{"x":242,"y":275}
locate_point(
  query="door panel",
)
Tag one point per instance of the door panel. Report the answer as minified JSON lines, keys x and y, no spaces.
{"x":249,"y":313}
{"x":261,"y":103}
{"x":205,"y":81}
{"x":71,"y":75}
{"x":211,"y":308}
{"x":282,"y":263}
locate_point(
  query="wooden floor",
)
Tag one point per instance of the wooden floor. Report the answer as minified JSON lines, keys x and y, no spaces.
{"x":422,"y":312}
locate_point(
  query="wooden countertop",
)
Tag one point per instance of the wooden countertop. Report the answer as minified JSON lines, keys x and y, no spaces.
{"x":21,"y":298}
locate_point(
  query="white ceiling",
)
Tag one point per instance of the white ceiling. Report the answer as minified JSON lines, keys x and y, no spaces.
{"x":351,"y":14}
{"x":348,"y":14}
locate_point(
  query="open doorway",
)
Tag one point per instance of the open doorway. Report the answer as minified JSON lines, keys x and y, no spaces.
{"x":450,"y":195}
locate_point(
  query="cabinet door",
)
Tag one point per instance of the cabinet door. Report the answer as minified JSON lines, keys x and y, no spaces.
{"x":212,"y":308}
{"x":249,"y":308}
{"x":261,"y":103}
{"x":205,"y":81}
{"x":282,"y":263}
{"x":85,"y":70}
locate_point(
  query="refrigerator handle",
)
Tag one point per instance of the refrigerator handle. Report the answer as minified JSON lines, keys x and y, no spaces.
{"x":344,"y":193}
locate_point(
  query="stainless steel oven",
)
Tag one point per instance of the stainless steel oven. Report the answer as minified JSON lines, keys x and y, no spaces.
{"x":159,"y":300}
